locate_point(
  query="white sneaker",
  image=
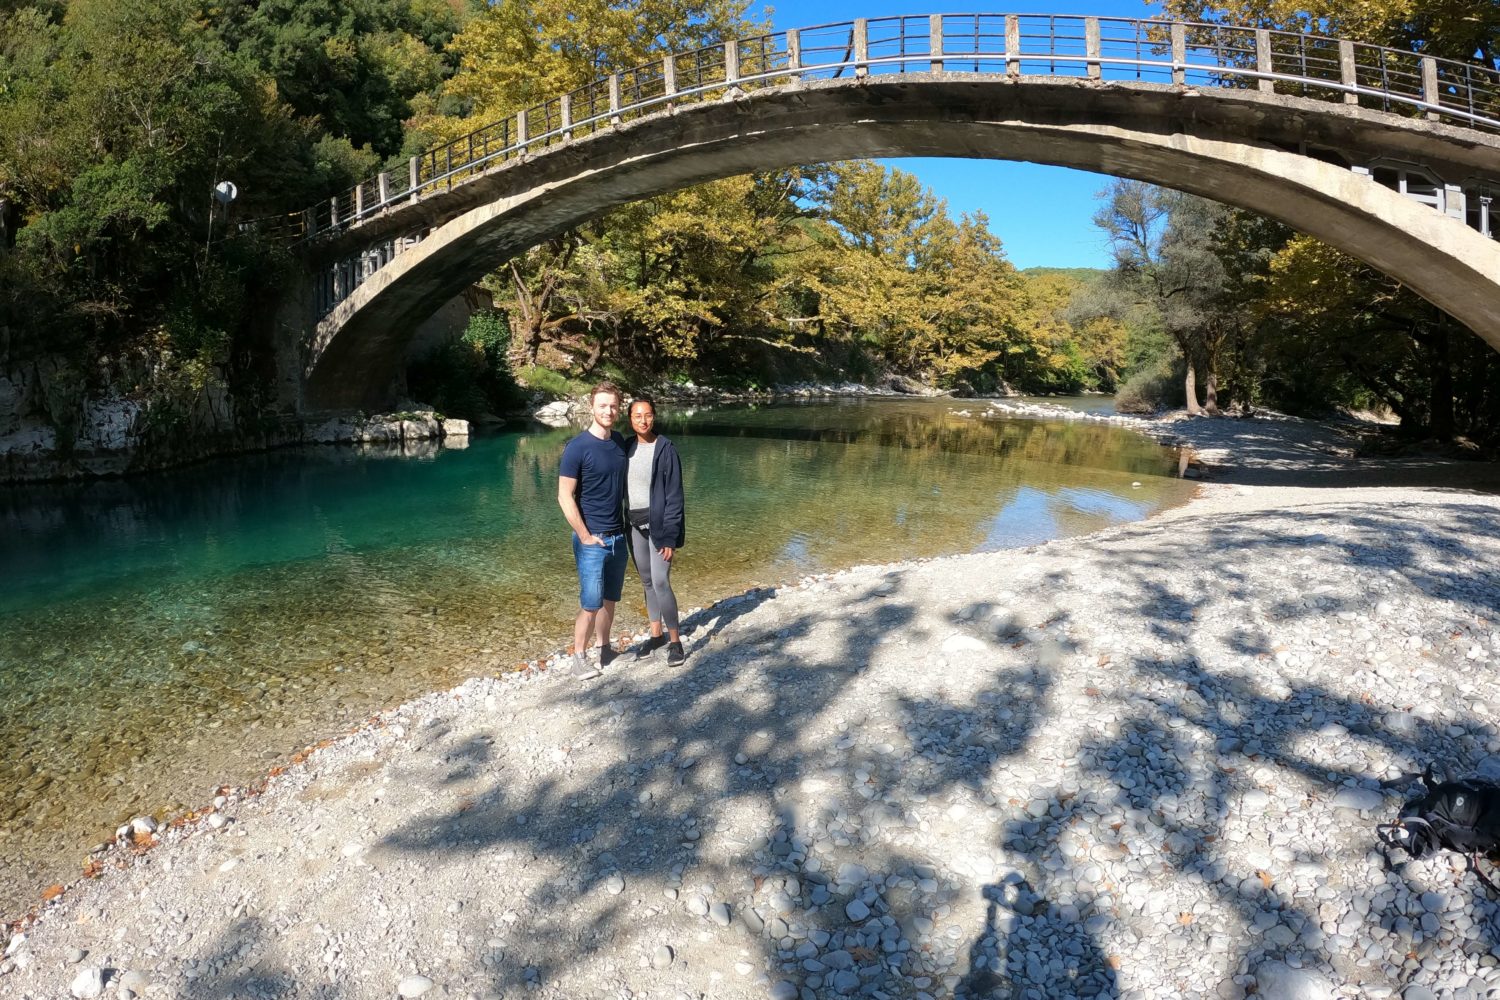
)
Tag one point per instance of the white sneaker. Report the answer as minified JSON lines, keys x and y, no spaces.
{"x":582,"y":669}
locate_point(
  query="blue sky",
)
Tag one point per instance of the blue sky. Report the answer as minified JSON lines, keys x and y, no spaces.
{"x":1041,"y":214}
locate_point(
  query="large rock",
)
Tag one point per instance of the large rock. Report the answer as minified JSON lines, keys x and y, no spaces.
{"x":30,"y":439}
{"x":421,"y":428}
{"x":413,"y":986}
{"x":1358,"y":799}
{"x":1279,"y":981}
{"x":13,"y":390}
{"x":555,"y":414}
{"x":88,"y":984}
{"x":455,"y":429}
{"x":339,"y":430}
{"x":379,"y":431}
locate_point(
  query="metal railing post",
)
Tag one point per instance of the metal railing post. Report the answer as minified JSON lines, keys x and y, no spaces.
{"x":1263,"y":60}
{"x":1454,"y":203}
{"x":1012,"y":45}
{"x":1443,"y":90}
{"x":731,"y":61}
{"x":1179,"y":53}
{"x":1430,"y":92}
{"x":1346,"y":71}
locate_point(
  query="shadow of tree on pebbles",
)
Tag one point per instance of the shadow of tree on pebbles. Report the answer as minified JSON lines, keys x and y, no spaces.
{"x":1145,"y":763}
{"x":1141,"y":771}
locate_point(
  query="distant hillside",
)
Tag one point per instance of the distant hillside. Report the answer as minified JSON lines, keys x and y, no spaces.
{"x":1079,"y":273}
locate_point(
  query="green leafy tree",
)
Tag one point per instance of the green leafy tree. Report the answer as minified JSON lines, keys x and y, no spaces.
{"x":516,"y":53}
{"x":1166,"y":259}
{"x":1451,"y":29}
{"x":933,"y":296}
{"x":353,"y":66}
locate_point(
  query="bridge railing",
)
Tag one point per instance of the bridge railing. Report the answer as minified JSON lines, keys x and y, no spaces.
{"x":1013,"y":45}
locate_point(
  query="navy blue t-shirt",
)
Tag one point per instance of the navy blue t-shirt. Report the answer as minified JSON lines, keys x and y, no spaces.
{"x":600,"y":468}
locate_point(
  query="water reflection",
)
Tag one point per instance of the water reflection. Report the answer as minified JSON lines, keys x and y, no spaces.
{"x":159,"y":636}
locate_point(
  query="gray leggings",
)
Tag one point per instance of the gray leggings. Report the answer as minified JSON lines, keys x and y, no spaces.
{"x":656,"y":574}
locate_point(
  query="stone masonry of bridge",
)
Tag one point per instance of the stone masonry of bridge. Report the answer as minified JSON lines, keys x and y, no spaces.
{"x":1284,"y":157}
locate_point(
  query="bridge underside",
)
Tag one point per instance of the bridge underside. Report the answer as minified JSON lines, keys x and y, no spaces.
{"x":1242,"y":148}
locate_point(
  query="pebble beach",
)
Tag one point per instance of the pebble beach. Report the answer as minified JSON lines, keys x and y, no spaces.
{"x":1146,"y":762}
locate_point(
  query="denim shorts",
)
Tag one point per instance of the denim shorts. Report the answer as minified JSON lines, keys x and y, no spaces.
{"x":601,"y":570}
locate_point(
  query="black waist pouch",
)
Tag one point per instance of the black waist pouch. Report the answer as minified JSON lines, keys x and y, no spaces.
{"x":641,"y":519}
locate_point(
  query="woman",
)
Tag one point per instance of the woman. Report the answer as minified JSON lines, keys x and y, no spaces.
{"x":653,"y":498}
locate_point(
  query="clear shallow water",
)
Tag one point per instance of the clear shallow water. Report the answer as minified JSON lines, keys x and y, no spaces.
{"x":164,"y":635}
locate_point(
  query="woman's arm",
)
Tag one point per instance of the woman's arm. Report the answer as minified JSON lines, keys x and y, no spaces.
{"x":672,"y":499}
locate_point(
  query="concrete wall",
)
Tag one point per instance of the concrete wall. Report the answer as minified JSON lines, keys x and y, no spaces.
{"x":448,"y":323}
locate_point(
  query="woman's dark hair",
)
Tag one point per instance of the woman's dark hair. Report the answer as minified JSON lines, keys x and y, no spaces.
{"x":643,"y":399}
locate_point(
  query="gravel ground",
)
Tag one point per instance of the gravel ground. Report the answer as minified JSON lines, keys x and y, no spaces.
{"x":1143,"y":763}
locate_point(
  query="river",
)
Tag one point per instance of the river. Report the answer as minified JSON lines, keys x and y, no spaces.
{"x":164,"y":635}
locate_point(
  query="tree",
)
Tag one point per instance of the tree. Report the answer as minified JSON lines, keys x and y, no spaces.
{"x":1332,"y":311}
{"x":1467,"y":30}
{"x":353,"y":66}
{"x":865,"y":280}
{"x":1329,"y":330}
{"x":933,"y":296}
{"x":118,"y":117}
{"x":516,"y":53}
{"x":632,"y":270}
{"x":1162,"y":241}
{"x":1067,"y":341}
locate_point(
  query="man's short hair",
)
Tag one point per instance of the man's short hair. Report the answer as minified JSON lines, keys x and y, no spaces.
{"x":608,"y":387}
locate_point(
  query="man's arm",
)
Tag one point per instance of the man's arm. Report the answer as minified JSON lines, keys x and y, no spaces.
{"x":568,"y":502}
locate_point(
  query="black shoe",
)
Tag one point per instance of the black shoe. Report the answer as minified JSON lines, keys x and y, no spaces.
{"x":651,"y":645}
{"x":607,"y":655}
{"x":675,"y":656}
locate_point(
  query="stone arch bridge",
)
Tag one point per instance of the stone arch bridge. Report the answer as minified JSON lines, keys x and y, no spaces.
{"x":1387,"y":155}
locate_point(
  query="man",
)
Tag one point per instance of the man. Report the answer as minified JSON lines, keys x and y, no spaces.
{"x":590,"y":491}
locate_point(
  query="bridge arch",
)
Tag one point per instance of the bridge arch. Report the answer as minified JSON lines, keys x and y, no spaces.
{"x":1285,"y":157}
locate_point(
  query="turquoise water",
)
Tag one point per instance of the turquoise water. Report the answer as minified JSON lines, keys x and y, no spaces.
{"x":164,"y":635}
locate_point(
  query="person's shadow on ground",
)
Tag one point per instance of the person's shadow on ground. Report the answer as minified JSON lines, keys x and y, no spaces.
{"x":1015,"y":920}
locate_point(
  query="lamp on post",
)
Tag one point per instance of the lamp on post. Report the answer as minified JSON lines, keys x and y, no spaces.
{"x":223,"y":193}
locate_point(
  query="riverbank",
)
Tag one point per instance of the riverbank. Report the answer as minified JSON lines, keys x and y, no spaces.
{"x":1143,"y":762}
{"x":117,"y":438}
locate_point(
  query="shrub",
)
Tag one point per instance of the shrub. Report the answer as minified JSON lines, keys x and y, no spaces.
{"x":552,"y":383}
{"x":1158,"y":387}
{"x":469,"y":377}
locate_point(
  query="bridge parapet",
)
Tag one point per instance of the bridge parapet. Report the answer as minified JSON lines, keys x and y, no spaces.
{"x":1093,"y":48}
